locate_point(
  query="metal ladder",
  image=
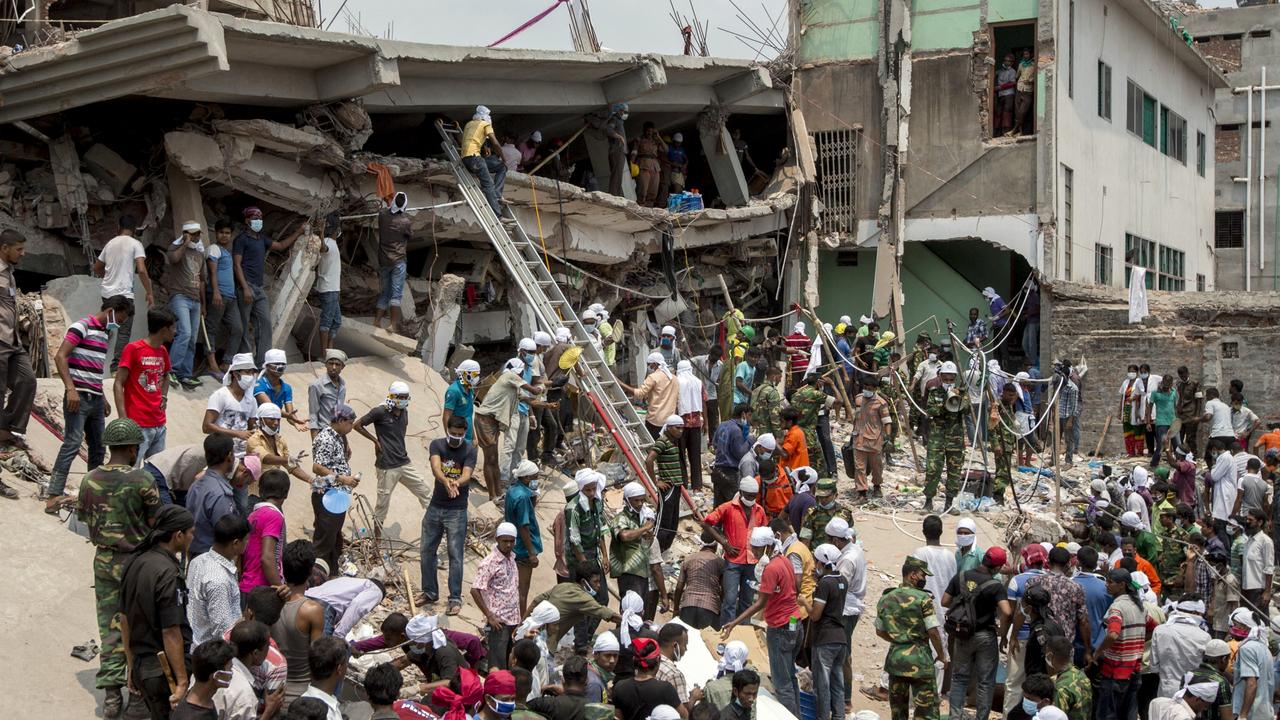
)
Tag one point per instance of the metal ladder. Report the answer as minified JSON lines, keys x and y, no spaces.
{"x":526,"y":267}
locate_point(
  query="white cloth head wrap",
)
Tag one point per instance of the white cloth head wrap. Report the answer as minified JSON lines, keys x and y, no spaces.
{"x":734,"y":657}
{"x":514,"y":365}
{"x":1131,"y":519}
{"x":1098,"y":485}
{"x":482,"y":113}
{"x":606,"y":642}
{"x":748,"y":485}
{"x":422,"y":627}
{"x":239,"y":361}
{"x":689,"y":399}
{"x":1140,"y":476}
{"x":1191,"y":606}
{"x":664,"y":712}
{"x":655,"y":358}
{"x":270,"y":411}
{"x":1206,"y":691}
{"x":1050,"y":712}
{"x":505,"y":529}
{"x":632,"y":605}
{"x":585,"y":477}
{"x":989,"y":293}
{"x":767,"y":442}
{"x":668,"y":330}
{"x":799,"y":327}
{"x":967,"y":524}
{"x":544,"y":613}
{"x":827,"y":554}
{"x":563,"y":335}
{"x":633,"y":489}
{"x":763,"y":537}
{"x":839,"y":527}
{"x":673,"y":421}
{"x":804,"y":478}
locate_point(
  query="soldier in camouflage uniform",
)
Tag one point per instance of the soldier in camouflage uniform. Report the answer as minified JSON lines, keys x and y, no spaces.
{"x":118,"y":504}
{"x":809,"y":400}
{"x":1072,"y":691}
{"x":813,"y":528}
{"x":905,"y":617}
{"x":766,"y":403}
{"x":1173,"y":552}
{"x":946,"y":437}
{"x":1004,"y":442}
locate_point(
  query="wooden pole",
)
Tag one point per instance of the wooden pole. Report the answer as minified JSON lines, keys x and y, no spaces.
{"x":1097,"y":450}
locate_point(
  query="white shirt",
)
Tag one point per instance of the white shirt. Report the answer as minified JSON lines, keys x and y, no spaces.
{"x":853,"y":568}
{"x":237,"y":701}
{"x":511,"y":157}
{"x":1135,"y":503}
{"x":1242,"y":462}
{"x":1177,"y":647}
{"x":1163,"y":708}
{"x":233,"y":414}
{"x":1220,"y":423}
{"x":1137,"y":294}
{"x":1226,"y":484}
{"x":353,"y":597}
{"x":213,"y":602}
{"x":942,"y":563}
{"x":1241,"y":419}
{"x":335,"y":711}
{"x":1259,"y":561}
{"x":119,"y":255}
{"x":329,"y":269}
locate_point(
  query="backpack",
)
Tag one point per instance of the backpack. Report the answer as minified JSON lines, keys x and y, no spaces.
{"x":962,"y":617}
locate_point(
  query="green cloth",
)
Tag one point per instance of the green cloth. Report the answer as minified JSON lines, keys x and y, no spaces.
{"x":966,"y":561}
{"x":1147,"y":545}
{"x":627,"y":557}
{"x":116,"y":504}
{"x":1165,"y":410}
{"x":583,"y":529}
{"x":667,"y":464}
{"x":1073,"y":694}
{"x":907,"y":615}
{"x":766,"y":405}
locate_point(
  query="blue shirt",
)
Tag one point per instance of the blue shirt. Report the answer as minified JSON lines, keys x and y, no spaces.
{"x":461,"y":402}
{"x":996,"y":306}
{"x":208,"y":500}
{"x":225,"y":272}
{"x":519,"y":512}
{"x":253,"y":256}
{"x":523,"y":407}
{"x":676,"y":155}
{"x":1096,"y":602}
{"x":846,"y":354}
{"x":1017,"y":587}
{"x":1253,"y":660}
{"x":747,"y":373}
{"x":731,"y":442}
{"x":279,"y":397}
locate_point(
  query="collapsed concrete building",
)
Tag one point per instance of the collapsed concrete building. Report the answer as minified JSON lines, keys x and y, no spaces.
{"x":182,"y":114}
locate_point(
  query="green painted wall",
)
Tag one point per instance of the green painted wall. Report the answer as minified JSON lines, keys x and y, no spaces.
{"x":840,"y":30}
{"x":1006,"y":10}
{"x":930,"y":286}
{"x":945,"y":30}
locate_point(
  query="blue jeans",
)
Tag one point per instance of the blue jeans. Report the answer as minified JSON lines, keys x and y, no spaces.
{"x":1118,"y":699}
{"x":1031,"y":340}
{"x":974,"y":657}
{"x":1161,"y":431}
{"x":183,"y":353}
{"x":782,"y":643}
{"x":491,"y":173}
{"x":167,"y":496}
{"x":436,"y":523}
{"x":152,"y":443}
{"x":331,"y":309}
{"x":738,"y":593}
{"x":392,"y":277}
{"x":85,"y":423}
{"x":828,"y":680}
{"x":257,"y":313}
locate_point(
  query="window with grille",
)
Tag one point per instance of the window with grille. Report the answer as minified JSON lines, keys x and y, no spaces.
{"x":1102,"y":264}
{"x":1200,"y":152}
{"x":1144,"y":255}
{"x":1140,"y":114}
{"x":1200,"y":283}
{"x":1068,"y":199}
{"x":837,"y":160}
{"x":1170,"y":274}
{"x":1173,"y":139}
{"x":1104,"y":90}
{"x":1228,"y":229}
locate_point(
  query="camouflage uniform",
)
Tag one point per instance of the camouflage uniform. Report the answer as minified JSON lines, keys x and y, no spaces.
{"x":117,"y":504}
{"x":809,"y":400}
{"x":1172,"y":552}
{"x":1072,"y":694}
{"x":906,"y":615}
{"x":918,"y":356}
{"x":813,"y":528}
{"x":1005,"y":442}
{"x":766,"y":404}
{"x":946,"y":444}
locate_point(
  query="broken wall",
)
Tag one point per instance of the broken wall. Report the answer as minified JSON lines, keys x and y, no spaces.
{"x":1219,"y":336}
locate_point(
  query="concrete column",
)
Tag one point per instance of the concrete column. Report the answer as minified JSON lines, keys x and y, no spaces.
{"x":289,"y":292}
{"x":639,"y":342}
{"x":185,"y":202}
{"x":598,"y":151}
{"x":440,"y":328}
{"x":718,"y":146}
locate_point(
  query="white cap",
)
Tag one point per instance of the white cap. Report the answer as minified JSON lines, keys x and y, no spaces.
{"x":588,"y":314}
{"x":749,"y":485}
{"x":762,"y":537}
{"x":1140,"y":476}
{"x":563,"y":335}
{"x":839,"y":527}
{"x":542,"y":338}
{"x":1073,"y":547}
{"x":536,"y":136}
{"x":799,"y":327}
{"x":655,"y":358}
{"x":242,"y":361}
{"x":275,"y":357}
{"x":1051,"y":712}
{"x":1131,"y":519}
{"x":668,"y":330}
{"x":1098,"y":485}
{"x":528,"y":345}
{"x":633,"y":489}
{"x":606,"y":642}
{"x":191,"y":226}
{"x":526,"y":468}
{"x":468,"y":366}
{"x":678,"y":137}
{"x":515,"y":365}
{"x":967,"y":524}
{"x":866,"y":319}
{"x":827,"y":554}
{"x":398,"y":387}
{"x":270,"y":411}
{"x":673,"y":421}
{"x":947,"y":367}
{"x":505,"y":529}
{"x":664,"y":712}
{"x":767,"y":442}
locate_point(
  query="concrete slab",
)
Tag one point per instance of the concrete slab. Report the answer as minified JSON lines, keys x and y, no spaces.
{"x":107,"y":165}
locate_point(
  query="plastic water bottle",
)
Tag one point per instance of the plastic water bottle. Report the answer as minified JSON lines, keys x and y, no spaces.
{"x":793,"y":624}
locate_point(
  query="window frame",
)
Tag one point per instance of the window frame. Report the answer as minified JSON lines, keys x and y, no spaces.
{"x":1103,"y":264}
{"x":1104,"y":90}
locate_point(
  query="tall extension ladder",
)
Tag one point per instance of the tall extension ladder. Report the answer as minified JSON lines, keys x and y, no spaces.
{"x":526,"y":267}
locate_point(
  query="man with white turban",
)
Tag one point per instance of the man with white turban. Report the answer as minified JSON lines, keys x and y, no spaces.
{"x":659,"y":390}
{"x":519,"y":510}
{"x":584,"y":528}
{"x":1177,"y":645}
{"x":390,"y":420}
{"x":826,"y":623}
{"x":1196,"y":695}
{"x":631,"y":532}
{"x":719,"y":692}
{"x":490,"y":171}
{"x":433,"y":653}
{"x":604,"y":658}
{"x":270,"y":446}
{"x":495,"y":590}
{"x":731,"y":524}
{"x":578,"y":607}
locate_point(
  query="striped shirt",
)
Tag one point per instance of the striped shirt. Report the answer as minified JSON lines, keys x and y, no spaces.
{"x":1128,"y":621}
{"x":668,"y":461}
{"x":88,"y":339}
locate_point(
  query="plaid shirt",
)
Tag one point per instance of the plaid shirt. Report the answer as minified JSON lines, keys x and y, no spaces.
{"x":1069,"y":401}
{"x":977,"y":330}
{"x":668,"y":671}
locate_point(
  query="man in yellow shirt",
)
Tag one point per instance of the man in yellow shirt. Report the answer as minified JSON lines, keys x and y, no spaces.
{"x":489,"y":170}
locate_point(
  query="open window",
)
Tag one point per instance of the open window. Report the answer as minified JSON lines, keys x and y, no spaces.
{"x":1013,"y":111}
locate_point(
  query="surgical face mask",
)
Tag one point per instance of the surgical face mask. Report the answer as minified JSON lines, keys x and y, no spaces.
{"x":766,"y":455}
{"x":1029,"y":707}
{"x":112,"y":325}
{"x":533,"y":484}
{"x":625,"y":115}
{"x":965,"y":540}
{"x":933,"y":357}
{"x":1132,"y":375}
{"x":501,"y":707}
{"x":666,"y":342}
{"x":275,"y":369}
{"x":868,"y":393}
{"x":1146,"y":375}
{"x":268,"y":430}
{"x":827,"y":504}
{"x":748,"y":503}
{"x":455,"y":440}
{"x":246,"y":381}
{"x":399,"y":403}
{"x":948,"y":386}
{"x":589,"y":327}
{"x":255,"y":224}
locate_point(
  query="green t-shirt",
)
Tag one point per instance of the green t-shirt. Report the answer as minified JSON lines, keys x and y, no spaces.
{"x":1164,"y":403}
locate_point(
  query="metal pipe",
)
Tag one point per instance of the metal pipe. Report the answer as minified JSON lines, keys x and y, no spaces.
{"x":408,"y":210}
{"x":1262,"y":174}
{"x":1248,"y":188}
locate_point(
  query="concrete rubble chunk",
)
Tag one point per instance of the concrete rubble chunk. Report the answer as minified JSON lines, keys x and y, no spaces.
{"x":288,"y":295}
{"x":107,"y":165}
{"x":438,"y":332}
{"x":46,"y":254}
{"x":287,"y":140}
{"x":198,"y":155}
{"x":186,"y":201}
{"x":65,"y":162}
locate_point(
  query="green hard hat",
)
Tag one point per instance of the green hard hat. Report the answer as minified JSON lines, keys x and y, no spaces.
{"x":825,"y":485}
{"x":749,"y":331}
{"x":122,"y":431}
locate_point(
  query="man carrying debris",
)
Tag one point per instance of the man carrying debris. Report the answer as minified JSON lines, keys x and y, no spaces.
{"x":117,"y":504}
{"x":489,"y":170}
{"x":946,"y":436}
{"x":121,"y":258}
{"x":249,"y":257}
{"x":184,"y":278}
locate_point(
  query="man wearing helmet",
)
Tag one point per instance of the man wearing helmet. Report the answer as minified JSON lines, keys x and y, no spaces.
{"x":946,"y":435}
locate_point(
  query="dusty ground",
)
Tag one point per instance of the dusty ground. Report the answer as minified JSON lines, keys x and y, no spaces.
{"x":46,"y":607}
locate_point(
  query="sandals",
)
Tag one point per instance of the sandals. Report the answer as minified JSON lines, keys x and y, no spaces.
{"x":454,"y":608}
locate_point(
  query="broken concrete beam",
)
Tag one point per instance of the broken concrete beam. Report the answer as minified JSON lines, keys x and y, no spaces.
{"x":45,"y":254}
{"x":107,"y":165}
{"x":65,"y":163}
{"x":186,"y":202}
{"x":280,"y":181}
{"x":288,"y":295}
{"x":11,"y":150}
{"x":282,"y":139}
{"x":198,"y":155}
{"x":50,"y":215}
{"x":438,"y":331}
{"x":399,"y":343}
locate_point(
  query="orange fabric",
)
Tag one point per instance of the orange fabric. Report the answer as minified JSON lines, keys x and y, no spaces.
{"x":1145,"y":567}
{"x":386,"y":187}
{"x":797,"y":450}
{"x":777,"y":493}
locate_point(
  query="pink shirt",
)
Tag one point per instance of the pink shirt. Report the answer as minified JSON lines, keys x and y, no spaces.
{"x":266,"y":520}
{"x":496,"y":579}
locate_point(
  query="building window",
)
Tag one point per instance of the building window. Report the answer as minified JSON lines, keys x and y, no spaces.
{"x":1230,"y":350}
{"x":1018,"y":40}
{"x":1104,"y":90}
{"x":1200,"y":152}
{"x":1141,"y":252}
{"x":1071,"y":49}
{"x":1102,"y":264}
{"x":847,"y":258}
{"x":1172,"y":265}
{"x":1173,"y":139}
{"x":1199,"y":283}
{"x":1068,"y":181}
{"x":1140,"y":114}
{"x":837,"y":156}
{"x":1228,"y":229}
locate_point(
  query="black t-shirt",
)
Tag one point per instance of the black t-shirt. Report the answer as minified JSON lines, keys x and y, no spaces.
{"x":153,"y":596}
{"x":830,"y":627}
{"x":635,"y":700}
{"x":453,"y":461}
{"x":984,"y":600}
{"x":560,"y":707}
{"x":390,"y":428}
{"x":443,"y":663}
{"x":187,"y":711}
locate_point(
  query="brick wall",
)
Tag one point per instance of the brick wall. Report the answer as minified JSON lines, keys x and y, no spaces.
{"x":1189,"y":328}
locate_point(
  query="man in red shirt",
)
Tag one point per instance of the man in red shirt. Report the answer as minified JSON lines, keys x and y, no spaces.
{"x":141,"y":388}
{"x":777,"y":597}
{"x":731,"y":524}
{"x":796,"y":346}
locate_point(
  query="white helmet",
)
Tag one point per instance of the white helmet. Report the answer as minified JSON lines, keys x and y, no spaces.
{"x":528,"y":345}
{"x":398,"y":387}
{"x":947,"y":367}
